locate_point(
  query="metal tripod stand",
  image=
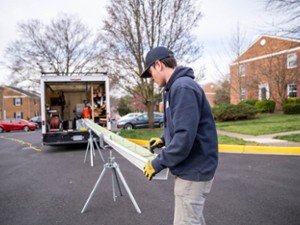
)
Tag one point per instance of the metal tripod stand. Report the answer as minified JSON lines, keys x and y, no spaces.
{"x":91,"y":148}
{"x":116,"y":174}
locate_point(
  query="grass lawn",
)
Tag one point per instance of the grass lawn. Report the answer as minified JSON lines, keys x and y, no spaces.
{"x":291,"y":137}
{"x":146,"y":134}
{"x":263,"y":124}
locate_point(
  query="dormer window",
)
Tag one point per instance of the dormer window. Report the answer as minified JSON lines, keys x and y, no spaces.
{"x":292,"y":61}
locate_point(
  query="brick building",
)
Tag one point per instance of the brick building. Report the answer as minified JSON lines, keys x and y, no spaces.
{"x":268,"y":69}
{"x":17,"y":103}
{"x":210,"y":92}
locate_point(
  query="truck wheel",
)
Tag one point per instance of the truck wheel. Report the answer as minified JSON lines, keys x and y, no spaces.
{"x":26,"y":128}
{"x":128,"y":127}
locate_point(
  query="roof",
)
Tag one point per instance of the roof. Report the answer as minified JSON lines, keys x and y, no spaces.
{"x":266,"y":45}
{"x":28,"y":93}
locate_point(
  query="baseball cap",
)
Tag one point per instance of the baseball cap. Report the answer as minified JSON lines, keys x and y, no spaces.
{"x":154,"y":54}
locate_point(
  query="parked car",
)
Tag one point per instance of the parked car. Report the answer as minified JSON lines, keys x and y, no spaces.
{"x":37,"y":120}
{"x":129,"y":116}
{"x":16,"y":124}
{"x":140,"y":121}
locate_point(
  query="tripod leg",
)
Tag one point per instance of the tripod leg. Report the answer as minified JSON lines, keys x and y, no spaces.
{"x":91,"y":152}
{"x":100,"y":153}
{"x":115,"y":175}
{"x":94,"y":189}
{"x":113,"y":187}
{"x":94,"y":154}
{"x":86,"y":152}
{"x":128,"y":190}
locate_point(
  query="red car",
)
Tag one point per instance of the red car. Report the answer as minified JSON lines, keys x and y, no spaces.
{"x":16,"y":124}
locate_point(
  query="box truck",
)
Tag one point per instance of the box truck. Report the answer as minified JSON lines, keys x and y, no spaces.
{"x":66,"y":100}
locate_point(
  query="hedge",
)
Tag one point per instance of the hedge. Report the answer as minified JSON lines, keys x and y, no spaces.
{"x":229,"y":112}
{"x":265,"y":106}
{"x":291,"y":108}
{"x":249,"y":101}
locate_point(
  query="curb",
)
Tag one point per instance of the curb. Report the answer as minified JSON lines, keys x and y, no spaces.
{"x":248,"y":149}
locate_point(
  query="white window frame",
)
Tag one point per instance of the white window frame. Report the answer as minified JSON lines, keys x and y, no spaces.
{"x":292,"y":60}
{"x":18,"y":115}
{"x":243,"y":94}
{"x":260,"y":87}
{"x":242,"y":70}
{"x":291,"y":90}
{"x":18,"y":101}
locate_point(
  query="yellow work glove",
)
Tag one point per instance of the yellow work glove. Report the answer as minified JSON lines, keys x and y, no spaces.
{"x":149,"y":171}
{"x":155,"y":143}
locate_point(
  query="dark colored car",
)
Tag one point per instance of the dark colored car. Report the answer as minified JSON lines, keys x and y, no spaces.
{"x":37,"y":120}
{"x":16,"y":124}
{"x":140,"y":121}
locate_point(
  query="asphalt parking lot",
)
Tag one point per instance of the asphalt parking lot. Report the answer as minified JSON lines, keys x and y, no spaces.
{"x":50,"y":185}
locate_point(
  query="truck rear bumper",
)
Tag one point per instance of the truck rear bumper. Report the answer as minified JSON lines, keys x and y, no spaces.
{"x":61,"y":138}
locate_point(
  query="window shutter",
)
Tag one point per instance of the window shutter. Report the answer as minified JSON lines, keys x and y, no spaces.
{"x":20,"y":101}
{"x":14,"y":114}
{"x":14,"y":101}
{"x":21,"y":114}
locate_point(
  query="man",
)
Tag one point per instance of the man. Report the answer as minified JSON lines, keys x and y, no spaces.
{"x":190,"y":136}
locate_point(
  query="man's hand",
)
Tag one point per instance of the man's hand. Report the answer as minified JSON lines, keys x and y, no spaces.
{"x":149,"y":171}
{"x":155,"y":143}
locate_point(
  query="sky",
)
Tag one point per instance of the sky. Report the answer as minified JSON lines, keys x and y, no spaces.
{"x":214,"y":31}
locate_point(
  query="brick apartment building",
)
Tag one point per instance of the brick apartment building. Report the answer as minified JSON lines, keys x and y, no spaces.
{"x":210,"y":92}
{"x":268,"y":69}
{"x":17,"y":103}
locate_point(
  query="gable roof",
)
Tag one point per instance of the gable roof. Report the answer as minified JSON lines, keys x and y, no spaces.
{"x":266,"y":45}
{"x":21,"y":91}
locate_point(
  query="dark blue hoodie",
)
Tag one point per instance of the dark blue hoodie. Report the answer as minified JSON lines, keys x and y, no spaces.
{"x":190,"y":135}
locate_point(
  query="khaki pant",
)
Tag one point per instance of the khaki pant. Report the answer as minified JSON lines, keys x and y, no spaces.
{"x":189,"y":201}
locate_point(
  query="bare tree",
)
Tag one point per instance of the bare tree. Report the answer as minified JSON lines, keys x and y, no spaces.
{"x":288,"y":14}
{"x":234,"y":49}
{"x":65,"y":46}
{"x":133,"y":27}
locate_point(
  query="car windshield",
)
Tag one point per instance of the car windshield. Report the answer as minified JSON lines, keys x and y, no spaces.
{"x":130,"y":116}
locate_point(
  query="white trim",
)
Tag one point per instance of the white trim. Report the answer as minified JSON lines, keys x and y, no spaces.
{"x":261,"y":86}
{"x":243,"y":94}
{"x":288,"y":89}
{"x":288,"y":60}
{"x":266,"y":56}
{"x":269,"y":36}
{"x":16,"y":96}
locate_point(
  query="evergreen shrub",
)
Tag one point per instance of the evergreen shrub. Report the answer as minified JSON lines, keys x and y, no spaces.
{"x":228,"y":112}
{"x":265,"y":106}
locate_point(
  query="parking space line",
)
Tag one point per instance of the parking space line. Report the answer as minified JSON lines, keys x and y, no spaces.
{"x":22,"y":143}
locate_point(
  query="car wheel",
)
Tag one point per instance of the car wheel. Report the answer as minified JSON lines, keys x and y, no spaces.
{"x":161,"y":125}
{"x":128,"y":127}
{"x":1,"y":129}
{"x":26,"y":128}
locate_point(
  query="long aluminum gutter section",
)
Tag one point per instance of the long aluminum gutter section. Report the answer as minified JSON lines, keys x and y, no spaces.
{"x":134,"y":153}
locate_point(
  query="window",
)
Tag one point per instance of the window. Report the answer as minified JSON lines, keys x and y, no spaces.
{"x":18,"y":115}
{"x":263,"y":92}
{"x":292,"y":90}
{"x":292,"y":60}
{"x":242,"y":70}
{"x":243,"y":94}
{"x":17,"y":101}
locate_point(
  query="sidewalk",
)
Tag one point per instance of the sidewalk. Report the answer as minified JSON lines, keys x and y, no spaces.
{"x":264,"y":139}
